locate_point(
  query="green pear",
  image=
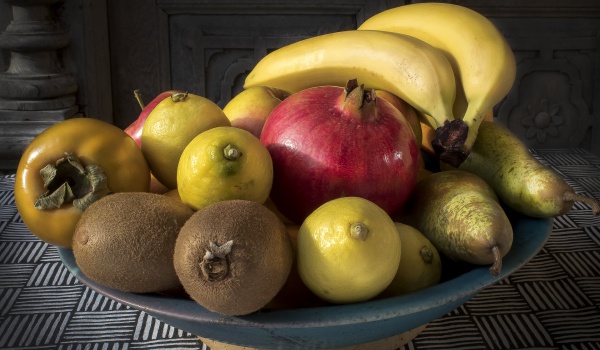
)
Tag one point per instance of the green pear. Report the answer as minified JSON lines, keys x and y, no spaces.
{"x":250,"y":108}
{"x":521,"y":181}
{"x":461,"y":216}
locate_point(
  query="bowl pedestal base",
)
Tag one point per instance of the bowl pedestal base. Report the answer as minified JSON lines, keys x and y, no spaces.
{"x":391,"y":343}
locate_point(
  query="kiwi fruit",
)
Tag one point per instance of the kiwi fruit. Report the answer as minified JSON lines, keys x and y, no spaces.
{"x":233,"y":256}
{"x":126,"y":241}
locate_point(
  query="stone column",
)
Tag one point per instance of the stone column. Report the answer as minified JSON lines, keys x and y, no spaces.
{"x":35,"y":90}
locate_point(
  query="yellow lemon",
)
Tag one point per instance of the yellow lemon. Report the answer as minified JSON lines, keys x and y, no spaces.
{"x":224,"y":163}
{"x":420,"y":267}
{"x":348,"y":250}
{"x":170,"y":126}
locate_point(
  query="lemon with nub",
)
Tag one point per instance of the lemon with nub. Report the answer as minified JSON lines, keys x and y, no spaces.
{"x":170,"y":126}
{"x":421,"y":266}
{"x":224,"y":163}
{"x":348,"y":250}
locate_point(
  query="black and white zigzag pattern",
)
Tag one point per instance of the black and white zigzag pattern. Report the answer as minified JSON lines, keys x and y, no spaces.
{"x":551,"y":303}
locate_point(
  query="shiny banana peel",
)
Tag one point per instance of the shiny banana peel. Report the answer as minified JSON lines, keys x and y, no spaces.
{"x":483,"y":61}
{"x":402,"y":65}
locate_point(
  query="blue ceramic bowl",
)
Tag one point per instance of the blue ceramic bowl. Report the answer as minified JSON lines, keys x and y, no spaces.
{"x":331,"y":326}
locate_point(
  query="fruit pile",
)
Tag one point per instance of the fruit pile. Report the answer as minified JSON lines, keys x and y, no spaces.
{"x":310,"y":187}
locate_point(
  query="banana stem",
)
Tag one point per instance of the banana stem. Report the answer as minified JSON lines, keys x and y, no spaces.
{"x":474,"y":115}
{"x":450,"y":142}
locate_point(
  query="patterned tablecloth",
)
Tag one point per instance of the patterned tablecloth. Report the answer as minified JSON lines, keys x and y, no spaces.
{"x":551,"y":303}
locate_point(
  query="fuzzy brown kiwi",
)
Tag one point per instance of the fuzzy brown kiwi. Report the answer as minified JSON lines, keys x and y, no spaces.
{"x":233,"y":256}
{"x":126,"y":241}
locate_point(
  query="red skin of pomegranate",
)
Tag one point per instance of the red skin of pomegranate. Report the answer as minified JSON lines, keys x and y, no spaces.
{"x":321,"y":153}
{"x":135,"y":129}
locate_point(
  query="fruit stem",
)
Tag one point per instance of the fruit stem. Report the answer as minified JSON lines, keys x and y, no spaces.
{"x":497,"y":265}
{"x":231,"y":152}
{"x":449,"y":142}
{"x":591,"y":202}
{"x":215,"y":263}
{"x":138,"y":97}
{"x":426,"y":255}
{"x":179,"y":96}
{"x":357,"y":100}
{"x":359,"y":231}
{"x":354,"y":94}
{"x":67,"y":181}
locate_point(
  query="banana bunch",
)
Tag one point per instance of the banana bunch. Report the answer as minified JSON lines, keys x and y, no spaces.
{"x":482,"y":60}
{"x":400,"y":64}
{"x":449,"y":62}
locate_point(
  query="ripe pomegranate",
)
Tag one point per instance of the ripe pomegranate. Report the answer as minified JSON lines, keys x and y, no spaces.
{"x":328,"y":142}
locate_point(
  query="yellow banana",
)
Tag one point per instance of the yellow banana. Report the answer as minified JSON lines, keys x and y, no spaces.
{"x":405,"y":66}
{"x":482,"y":60}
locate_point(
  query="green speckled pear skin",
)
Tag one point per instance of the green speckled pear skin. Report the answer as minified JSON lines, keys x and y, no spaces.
{"x":460,"y":214}
{"x":521,"y":181}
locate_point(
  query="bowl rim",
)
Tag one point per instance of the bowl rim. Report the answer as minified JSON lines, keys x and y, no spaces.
{"x":530,"y":235}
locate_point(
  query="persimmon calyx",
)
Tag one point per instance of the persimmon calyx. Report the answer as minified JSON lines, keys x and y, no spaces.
{"x":68,"y":181}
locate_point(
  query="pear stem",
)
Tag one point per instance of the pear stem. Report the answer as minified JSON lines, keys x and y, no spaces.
{"x":138,"y":97}
{"x":497,"y":265}
{"x":591,"y":202}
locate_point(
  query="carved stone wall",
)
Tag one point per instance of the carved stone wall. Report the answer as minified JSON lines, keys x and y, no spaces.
{"x":208,"y":46}
{"x":5,"y":17}
{"x":35,"y":89}
{"x":555,"y":100}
